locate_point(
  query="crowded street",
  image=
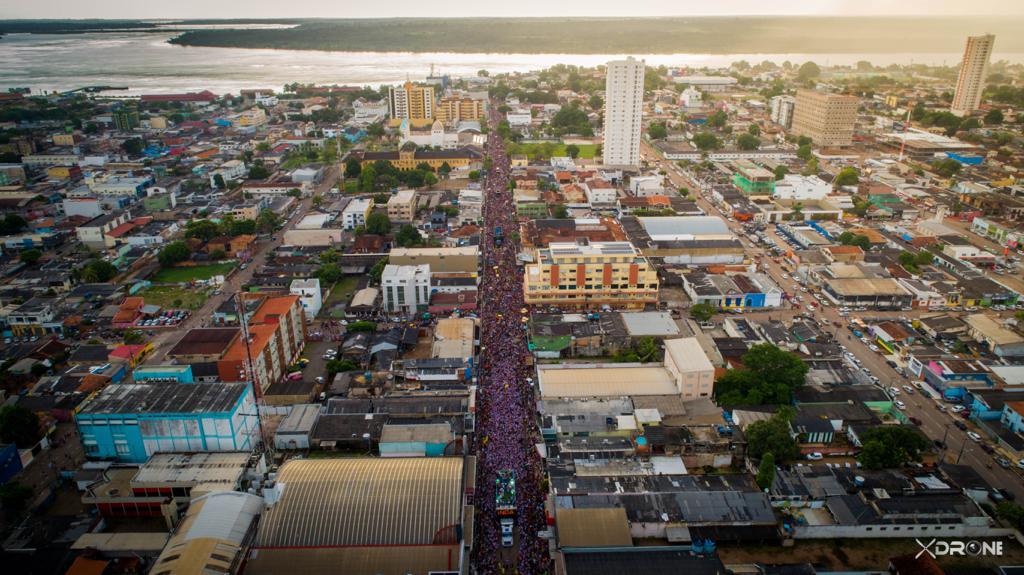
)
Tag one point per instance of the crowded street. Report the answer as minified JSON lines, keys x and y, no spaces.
{"x":506,"y":432}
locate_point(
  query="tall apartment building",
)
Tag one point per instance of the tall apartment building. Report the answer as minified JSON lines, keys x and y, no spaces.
{"x":623,"y":112}
{"x":827,"y":119}
{"x":782,"y":110}
{"x":587,"y":275}
{"x":411,"y":102}
{"x":973,"y":71}
{"x":454,"y":109}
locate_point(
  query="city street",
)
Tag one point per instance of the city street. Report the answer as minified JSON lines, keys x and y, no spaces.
{"x":934,"y":423}
{"x":165,"y":339}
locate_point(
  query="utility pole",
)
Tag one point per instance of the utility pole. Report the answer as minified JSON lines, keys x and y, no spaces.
{"x":251,"y":369}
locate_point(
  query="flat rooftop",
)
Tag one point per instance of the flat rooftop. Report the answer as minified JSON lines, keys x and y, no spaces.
{"x":193,"y":468}
{"x":205,"y":341}
{"x":165,"y":398}
{"x":604,"y":380}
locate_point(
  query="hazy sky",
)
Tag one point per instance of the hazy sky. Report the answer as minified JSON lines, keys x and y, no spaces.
{"x":533,"y":8}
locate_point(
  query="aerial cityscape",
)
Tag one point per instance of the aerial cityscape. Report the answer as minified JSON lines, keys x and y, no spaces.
{"x":703,"y":290}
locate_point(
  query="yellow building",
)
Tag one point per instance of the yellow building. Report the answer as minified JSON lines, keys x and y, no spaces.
{"x":251,"y":118}
{"x":61,"y":172}
{"x":64,"y":140}
{"x":411,"y":102}
{"x":584,"y":275}
{"x":453,"y":109}
{"x":408,"y":157}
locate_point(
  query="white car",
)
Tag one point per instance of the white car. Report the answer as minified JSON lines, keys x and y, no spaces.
{"x":873,"y":348}
{"x":894,"y":391}
{"x":974,"y":436}
{"x":785,"y":277}
{"x":815,"y":456}
{"x":908,"y":389}
{"x":958,"y":409}
{"x":900,"y":405}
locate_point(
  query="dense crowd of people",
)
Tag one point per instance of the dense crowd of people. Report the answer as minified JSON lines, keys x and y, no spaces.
{"x":506,"y":426}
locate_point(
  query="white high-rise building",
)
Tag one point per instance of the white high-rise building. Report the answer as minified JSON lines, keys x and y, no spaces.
{"x":973,"y":71}
{"x":782,"y":110}
{"x":623,"y":112}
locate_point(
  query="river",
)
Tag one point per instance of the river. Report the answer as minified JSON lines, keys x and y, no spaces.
{"x":146,"y":63}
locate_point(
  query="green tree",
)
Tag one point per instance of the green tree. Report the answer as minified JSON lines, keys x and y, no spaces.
{"x":336,"y":366}
{"x":572,"y":150}
{"x":754,"y":130}
{"x":444,"y":170}
{"x":474,"y":175}
{"x":808,"y":71}
{"x":218,"y":254}
{"x":330,"y":274}
{"x":560,"y":212}
{"x":359,"y":326}
{"x":852,"y":239}
{"x":702,"y":311}
{"x":657,"y":131}
{"x":408,"y":236}
{"x":30,"y":257}
{"x":258,"y":171}
{"x":718,"y":119}
{"x":766,"y":471}
{"x":218,"y":181}
{"x":769,"y":377}
{"x":748,"y":142}
{"x":706,"y":141}
{"x":14,"y":496}
{"x":847,"y":177}
{"x":268,"y":221}
{"x":133,"y":337}
{"x":317,"y":201}
{"x":947,"y":167}
{"x":596,"y":103}
{"x":994,"y":116}
{"x":378,"y":269}
{"x":378,"y":223}
{"x":1011,"y":513}
{"x":773,"y":435}
{"x":352,"y":168}
{"x":174,"y":253}
{"x":781,"y":171}
{"x":888,"y":446}
{"x":97,"y":271}
{"x":19,"y":426}
{"x":133,"y":147}
{"x":12,"y":224}
{"x":204,"y":230}
{"x":804,"y":152}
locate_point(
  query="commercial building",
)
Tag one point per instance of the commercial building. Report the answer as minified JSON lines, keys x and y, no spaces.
{"x":453,"y":109}
{"x":251,"y":118}
{"x":686,"y":372}
{"x":586,"y":275}
{"x":623,"y":112}
{"x":406,"y":288}
{"x":356,"y":212}
{"x":973,"y":71}
{"x":131,"y":422}
{"x":1000,"y":340}
{"x":685,"y":240}
{"x":402,"y":206}
{"x":213,"y":536}
{"x":465,"y":259}
{"x":372,"y":515}
{"x":827,"y":119}
{"x":782,"y":110}
{"x":411,"y":102}
{"x":707,"y":83}
{"x":800,"y":188}
{"x":752,"y":179}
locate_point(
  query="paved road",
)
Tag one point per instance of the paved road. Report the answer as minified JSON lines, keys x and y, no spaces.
{"x":935,"y":424}
{"x":165,"y":340}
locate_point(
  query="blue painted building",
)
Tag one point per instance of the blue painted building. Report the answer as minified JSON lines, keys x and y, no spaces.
{"x":10,"y":462}
{"x":1013,"y":416}
{"x":130,"y":422}
{"x":164,"y":374}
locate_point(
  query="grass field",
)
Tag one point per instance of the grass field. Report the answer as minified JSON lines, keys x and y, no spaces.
{"x":342,"y":290}
{"x":184,"y":274}
{"x":533,"y":149}
{"x":174,"y":297}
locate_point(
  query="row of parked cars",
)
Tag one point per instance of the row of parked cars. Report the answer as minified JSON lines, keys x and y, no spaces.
{"x":167,"y":318}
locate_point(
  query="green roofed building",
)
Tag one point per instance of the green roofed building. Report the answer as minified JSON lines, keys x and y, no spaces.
{"x":752,"y":179}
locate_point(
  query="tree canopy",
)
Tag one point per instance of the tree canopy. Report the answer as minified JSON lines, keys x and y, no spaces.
{"x":769,"y":376}
{"x":174,"y":253}
{"x":852,"y":239}
{"x":19,"y":426}
{"x":378,"y":223}
{"x":889,"y":446}
{"x":847,"y":177}
{"x":772,"y":436}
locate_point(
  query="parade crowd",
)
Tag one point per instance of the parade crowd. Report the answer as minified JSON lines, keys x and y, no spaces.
{"x":507,"y":432}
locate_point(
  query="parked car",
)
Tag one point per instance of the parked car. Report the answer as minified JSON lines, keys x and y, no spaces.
{"x":1003,"y":462}
{"x":908,"y":389}
{"x":815,"y":456}
{"x":915,"y":421}
{"x":960,"y":425}
{"x":958,"y":409}
{"x":900,"y":405}
{"x":974,"y":436}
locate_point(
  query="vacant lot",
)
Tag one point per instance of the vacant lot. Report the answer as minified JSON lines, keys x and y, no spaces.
{"x":185,"y":274}
{"x":174,"y":297}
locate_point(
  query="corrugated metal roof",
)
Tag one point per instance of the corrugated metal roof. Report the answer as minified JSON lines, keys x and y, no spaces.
{"x":364,"y":501}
